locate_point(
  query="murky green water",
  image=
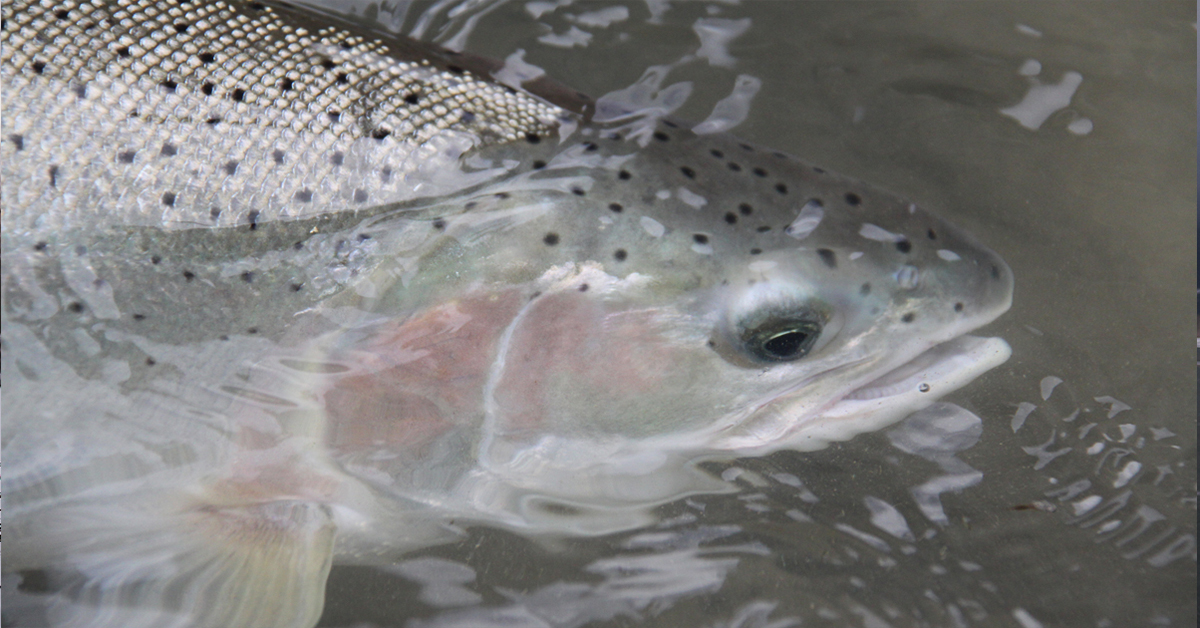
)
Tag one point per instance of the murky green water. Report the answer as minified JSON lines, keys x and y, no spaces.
{"x":1097,"y":225}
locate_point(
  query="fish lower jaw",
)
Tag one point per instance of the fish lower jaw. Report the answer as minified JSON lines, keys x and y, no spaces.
{"x":885,"y":400}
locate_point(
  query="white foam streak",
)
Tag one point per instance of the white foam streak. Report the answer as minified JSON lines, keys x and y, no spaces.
{"x":733,"y":109}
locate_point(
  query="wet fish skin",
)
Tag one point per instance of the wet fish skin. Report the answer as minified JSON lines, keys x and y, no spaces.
{"x":178,"y":115}
{"x":601,"y":315}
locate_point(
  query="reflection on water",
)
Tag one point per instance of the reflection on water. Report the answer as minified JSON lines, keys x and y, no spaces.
{"x":1057,"y":490}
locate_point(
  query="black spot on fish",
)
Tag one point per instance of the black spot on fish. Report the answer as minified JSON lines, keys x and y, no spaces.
{"x":328,"y":64}
{"x":247,"y":276}
{"x":412,"y":99}
{"x":583,"y":287}
{"x":168,"y":150}
{"x":207,"y":89}
{"x":212,"y":121}
{"x":660,"y":136}
{"x":439,"y":224}
{"x":781,"y":188}
{"x":747,"y":147}
{"x":277,"y":155}
{"x":828,"y":256}
{"x":62,"y":14}
{"x":931,"y":234}
{"x":818,"y":170}
{"x":252,"y":330}
{"x":756,"y":251}
{"x":759,"y":172}
{"x":297,"y":287}
{"x":207,"y":57}
{"x":501,"y":195}
{"x":214,"y":213}
{"x":532,"y":138}
{"x":126,"y":157}
{"x":257,"y":6}
{"x":298,"y":245}
{"x":150,"y":362}
{"x":342,"y":79}
{"x":538,"y":164}
{"x":995,"y":272}
{"x":80,"y":91}
{"x":624,"y":175}
{"x":620,"y":255}
{"x":304,"y":196}
{"x":688,"y":172}
{"x":238,"y":95}
{"x":380,"y":134}
{"x":864,"y":289}
{"x":168,"y":85}
{"x":853,"y":199}
{"x":286,"y":85}
{"x":908,"y":318}
{"x":39,"y":67}
{"x":716,"y":153}
{"x":40,"y":246}
{"x":763,"y":228}
{"x":590,"y":146}
{"x":454,"y":69}
{"x":734,"y":167}
{"x":904,"y":246}
{"x":139,"y":317}
{"x":75,"y":306}
{"x":181,"y":27}
{"x":336,"y":159}
{"x":616,"y":207}
{"x":230,"y":167}
{"x":700,"y":238}
{"x":360,"y":196}
{"x":53,"y":176}
{"x":334,"y":116}
{"x":252,"y":219}
{"x":154,"y":259}
{"x":578,"y":191}
{"x":224,"y":337}
{"x":385,"y":175}
{"x":550,"y":239}
{"x":18,"y":140}
{"x":470,"y":205}
{"x":123,"y":51}
{"x":168,"y":199}
{"x":730,"y":218}
{"x":745,"y":209}
{"x":958,"y":307}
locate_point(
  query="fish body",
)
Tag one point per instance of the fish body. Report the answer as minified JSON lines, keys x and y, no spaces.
{"x":535,"y":320}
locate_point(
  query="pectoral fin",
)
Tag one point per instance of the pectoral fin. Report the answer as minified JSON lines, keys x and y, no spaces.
{"x":253,"y":566}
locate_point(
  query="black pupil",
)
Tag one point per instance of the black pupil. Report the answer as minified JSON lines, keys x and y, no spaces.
{"x":785,"y":345}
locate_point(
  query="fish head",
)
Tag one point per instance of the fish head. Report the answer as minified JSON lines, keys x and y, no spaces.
{"x":627,"y":300}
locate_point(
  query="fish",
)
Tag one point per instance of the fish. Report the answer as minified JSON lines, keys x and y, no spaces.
{"x":283,"y":290}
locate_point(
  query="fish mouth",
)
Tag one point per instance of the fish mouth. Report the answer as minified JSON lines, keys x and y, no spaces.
{"x":890,"y":397}
{"x":936,"y":371}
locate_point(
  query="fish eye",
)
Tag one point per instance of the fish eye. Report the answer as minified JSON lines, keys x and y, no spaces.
{"x":783,"y":339}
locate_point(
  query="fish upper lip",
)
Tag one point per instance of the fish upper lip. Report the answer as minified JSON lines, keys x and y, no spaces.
{"x":849,"y":394}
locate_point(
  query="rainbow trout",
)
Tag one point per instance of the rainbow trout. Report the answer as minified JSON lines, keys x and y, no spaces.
{"x":281,"y":290}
